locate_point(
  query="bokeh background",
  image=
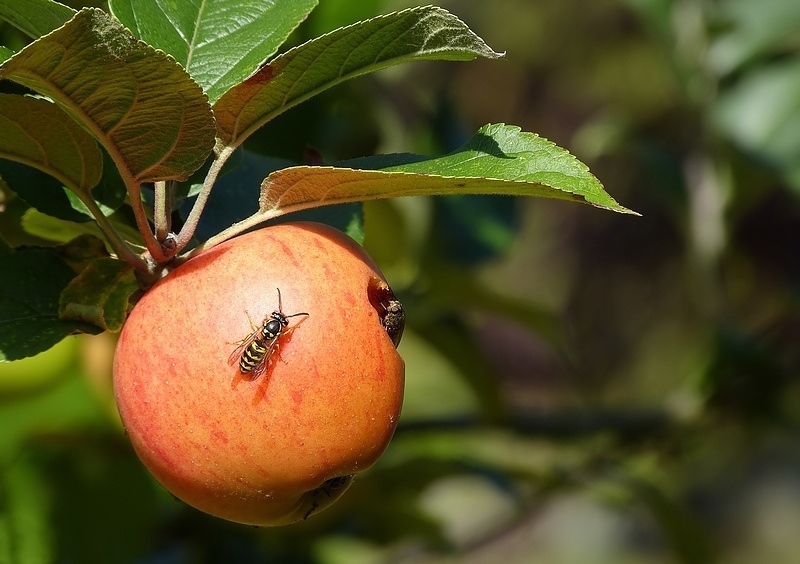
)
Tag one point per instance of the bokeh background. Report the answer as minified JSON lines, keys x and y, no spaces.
{"x":582,"y":386}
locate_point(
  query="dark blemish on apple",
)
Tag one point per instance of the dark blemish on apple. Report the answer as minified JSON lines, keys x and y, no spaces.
{"x":332,"y":489}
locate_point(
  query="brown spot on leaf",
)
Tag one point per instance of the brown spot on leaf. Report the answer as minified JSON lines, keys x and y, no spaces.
{"x":263,"y":75}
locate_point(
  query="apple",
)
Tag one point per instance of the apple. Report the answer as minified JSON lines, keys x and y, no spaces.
{"x":277,"y":448}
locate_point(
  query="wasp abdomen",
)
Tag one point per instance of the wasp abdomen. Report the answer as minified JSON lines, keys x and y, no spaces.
{"x":251,"y":356}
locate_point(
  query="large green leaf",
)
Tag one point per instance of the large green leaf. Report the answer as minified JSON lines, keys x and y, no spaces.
{"x":31,"y":282}
{"x":499,"y":159}
{"x":153,"y":119}
{"x":235,"y":197}
{"x":35,"y":17}
{"x":426,"y":33}
{"x":219,"y":43}
{"x":38,"y":133}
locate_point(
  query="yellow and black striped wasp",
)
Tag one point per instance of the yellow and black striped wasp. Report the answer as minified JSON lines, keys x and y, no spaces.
{"x":254,"y":351}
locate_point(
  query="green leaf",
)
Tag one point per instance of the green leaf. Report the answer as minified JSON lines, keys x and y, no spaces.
{"x":82,"y":250}
{"x":110,"y":192}
{"x":5,"y":53}
{"x":40,"y":191}
{"x":100,"y":294}
{"x":61,"y":231}
{"x":427,"y":33}
{"x":219,"y":43}
{"x":235,"y":197}
{"x":38,"y":133}
{"x":499,"y":159}
{"x":31,"y":282}
{"x":153,"y":119}
{"x":35,"y":17}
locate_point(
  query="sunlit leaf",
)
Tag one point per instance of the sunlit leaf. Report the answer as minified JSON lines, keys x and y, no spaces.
{"x":219,"y":43}
{"x":426,"y":33}
{"x":500,"y":159}
{"x":38,"y":133}
{"x":61,"y":231}
{"x":235,"y":197}
{"x":35,"y":17}
{"x":5,"y":53}
{"x":139,"y":103}
{"x":99,"y":295}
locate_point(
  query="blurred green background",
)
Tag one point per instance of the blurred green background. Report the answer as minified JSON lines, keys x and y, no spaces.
{"x":582,"y":386}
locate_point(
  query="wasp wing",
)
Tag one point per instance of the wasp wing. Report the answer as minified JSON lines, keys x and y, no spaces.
{"x":236,"y":355}
{"x":273,"y":348}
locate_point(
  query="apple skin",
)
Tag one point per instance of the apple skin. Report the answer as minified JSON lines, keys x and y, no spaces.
{"x":273,"y":450}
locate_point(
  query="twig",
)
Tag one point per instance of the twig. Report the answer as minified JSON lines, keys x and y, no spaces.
{"x":190,"y":225}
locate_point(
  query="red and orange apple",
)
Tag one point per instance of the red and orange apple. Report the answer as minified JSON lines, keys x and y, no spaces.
{"x":278,"y":448}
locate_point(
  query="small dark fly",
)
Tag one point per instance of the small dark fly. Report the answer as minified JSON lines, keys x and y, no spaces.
{"x":394,"y":320}
{"x":254,"y":351}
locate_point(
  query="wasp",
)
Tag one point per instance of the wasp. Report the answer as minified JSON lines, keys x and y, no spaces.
{"x":255,"y":350}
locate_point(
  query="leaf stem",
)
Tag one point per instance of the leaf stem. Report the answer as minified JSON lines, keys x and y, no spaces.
{"x":232,"y":231}
{"x":162,"y":207}
{"x":150,"y":241}
{"x":190,"y":225}
{"x":119,"y":245}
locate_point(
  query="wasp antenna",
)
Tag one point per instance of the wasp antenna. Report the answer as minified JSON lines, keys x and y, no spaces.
{"x":280,"y":303}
